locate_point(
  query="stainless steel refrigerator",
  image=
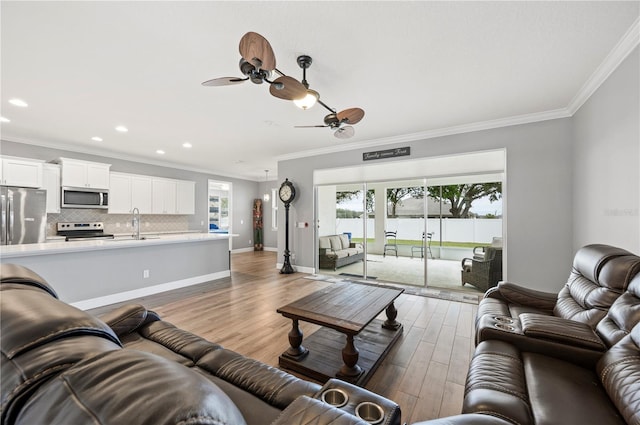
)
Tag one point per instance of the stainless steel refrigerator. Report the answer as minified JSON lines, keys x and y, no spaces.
{"x":24,"y":215}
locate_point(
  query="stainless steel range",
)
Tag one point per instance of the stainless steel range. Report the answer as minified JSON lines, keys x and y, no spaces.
{"x":83,"y":231}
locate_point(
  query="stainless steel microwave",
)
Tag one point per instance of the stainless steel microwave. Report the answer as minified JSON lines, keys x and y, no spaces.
{"x":82,"y":197}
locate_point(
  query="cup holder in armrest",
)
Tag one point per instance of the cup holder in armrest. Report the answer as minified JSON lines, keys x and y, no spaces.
{"x":370,"y":412}
{"x":503,"y":319}
{"x":335,"y":397}
{"x":504,"y":327}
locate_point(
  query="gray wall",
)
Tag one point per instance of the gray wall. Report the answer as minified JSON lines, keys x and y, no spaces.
{"x":607,"y":162}
{"x":270,"y":237}
{"x":244,"y":191}
{"x":538,"y":200}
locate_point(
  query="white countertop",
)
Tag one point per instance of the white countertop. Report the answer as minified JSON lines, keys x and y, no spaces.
{"x":61,"y":247}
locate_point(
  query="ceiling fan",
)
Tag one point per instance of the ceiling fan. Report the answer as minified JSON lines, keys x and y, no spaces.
{"x":334,"y":120}
{"x":257,"y":64}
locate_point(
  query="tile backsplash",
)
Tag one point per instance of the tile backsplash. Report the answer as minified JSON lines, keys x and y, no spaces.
{"x":118,"y":223}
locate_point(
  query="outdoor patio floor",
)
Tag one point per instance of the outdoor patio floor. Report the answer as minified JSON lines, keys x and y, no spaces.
{"x":444,"y":274}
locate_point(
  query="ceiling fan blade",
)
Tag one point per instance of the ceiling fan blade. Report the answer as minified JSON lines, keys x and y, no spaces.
{"x":344,"y":132}
{"x":290,"y":88}
{"x":255,"y":49}
{"x":351,"y":115}
{"x":224,"y":81}
{"x":310,"y":126}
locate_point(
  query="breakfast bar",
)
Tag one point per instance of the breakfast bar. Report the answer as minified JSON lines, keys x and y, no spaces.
{"x":92,"y":273}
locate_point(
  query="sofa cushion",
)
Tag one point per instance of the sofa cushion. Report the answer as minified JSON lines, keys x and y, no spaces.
{"x":623,"y":315}
{"x":564,"y":393}
{"x":336,"y":243}
{"x":324,"y":243}
{"x":91,"y":392}
{"x":344,"y":239}
{"x":600,"y":275}
{"x":619,"y":371}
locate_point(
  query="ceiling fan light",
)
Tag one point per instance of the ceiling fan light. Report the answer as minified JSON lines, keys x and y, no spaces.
{"x":308,"y":101}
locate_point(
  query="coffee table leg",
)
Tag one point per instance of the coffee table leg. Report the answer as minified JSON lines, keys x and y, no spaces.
{"x":350,"y":355}
{"x":391,"y":322}
{"x":296,"y":351}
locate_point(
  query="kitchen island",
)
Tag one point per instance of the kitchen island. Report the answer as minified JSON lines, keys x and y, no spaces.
{"x":92,"y":273}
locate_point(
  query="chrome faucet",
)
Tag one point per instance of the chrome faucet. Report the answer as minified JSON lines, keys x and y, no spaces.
{"x":136,"y":223}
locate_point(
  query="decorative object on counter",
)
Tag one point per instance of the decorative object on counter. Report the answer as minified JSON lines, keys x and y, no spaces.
{"x":287,"y":194}
{"x":257,"y":225}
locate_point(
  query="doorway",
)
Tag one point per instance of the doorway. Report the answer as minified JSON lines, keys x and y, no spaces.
{"x":408,"y":229}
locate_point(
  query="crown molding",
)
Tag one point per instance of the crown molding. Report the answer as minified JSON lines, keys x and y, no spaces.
{"x":431,"y":134}
{"x":124,"y":157}
{"x":619,"y":53}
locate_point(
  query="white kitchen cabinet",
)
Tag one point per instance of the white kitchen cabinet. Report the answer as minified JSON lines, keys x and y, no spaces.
{"x":51,"y":182}
{"x":21,"y":172}
{"x":129,"y":191}
{"x":141,"y":193}
{"x":78,"y":173}
{"x":186,"y":197}
{"x":164,"y":196}
{"x":119,"y":193}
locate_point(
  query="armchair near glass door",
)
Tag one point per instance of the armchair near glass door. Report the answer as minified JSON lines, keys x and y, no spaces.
{"x":483,"y":273}
{"x":420,"y":248}
{"x":390,"y":243}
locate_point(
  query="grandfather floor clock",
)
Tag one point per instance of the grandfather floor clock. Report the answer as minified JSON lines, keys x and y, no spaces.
{"x":287,"y":194}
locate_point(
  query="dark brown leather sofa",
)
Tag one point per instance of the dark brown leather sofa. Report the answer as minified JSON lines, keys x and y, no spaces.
{"x":61,"y":365}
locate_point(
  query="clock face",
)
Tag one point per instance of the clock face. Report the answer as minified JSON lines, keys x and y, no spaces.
{"x":287,"y":193}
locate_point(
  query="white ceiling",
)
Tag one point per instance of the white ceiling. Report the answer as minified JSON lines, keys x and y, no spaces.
{"x":416,"y":68}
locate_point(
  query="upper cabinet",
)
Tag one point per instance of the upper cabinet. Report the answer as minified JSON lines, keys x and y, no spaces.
{"x":77,"y":173}
{"x":186,"y":197}
{"x":164,"y":196}
{"x":21,"y":172}
{"x":129,"y":191}
{"x":51,"y":182}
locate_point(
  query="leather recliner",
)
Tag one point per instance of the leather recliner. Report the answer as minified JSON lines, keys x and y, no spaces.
{"x":600,"y":274}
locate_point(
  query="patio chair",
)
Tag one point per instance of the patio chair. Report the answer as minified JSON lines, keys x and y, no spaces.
{"x":479,"y":251}
{"x":390,"y":243}
{"x":483,"y":273}
{"x":420,"y":248}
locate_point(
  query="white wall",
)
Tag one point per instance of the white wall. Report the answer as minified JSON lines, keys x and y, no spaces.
{"x":607,"y":162}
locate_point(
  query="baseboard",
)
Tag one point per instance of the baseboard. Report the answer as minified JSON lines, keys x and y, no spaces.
{"x":301,"y":269}
{"x":150,"y":290}
{"x":250,"y":249}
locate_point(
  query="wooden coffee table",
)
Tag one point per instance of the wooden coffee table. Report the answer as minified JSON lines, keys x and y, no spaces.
{"x":349,"y":309}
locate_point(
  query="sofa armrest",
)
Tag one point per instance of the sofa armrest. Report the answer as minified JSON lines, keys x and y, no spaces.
{"x":561,"y":330}
{"x":517,"y":294}
{"x":309,"y":411}
{"x":125,"y":319}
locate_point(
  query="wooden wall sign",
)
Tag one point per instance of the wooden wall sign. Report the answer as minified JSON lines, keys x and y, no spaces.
{"x":387,"y":153}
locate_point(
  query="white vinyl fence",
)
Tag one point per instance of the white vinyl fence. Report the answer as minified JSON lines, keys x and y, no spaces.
{"x":479,"y":230}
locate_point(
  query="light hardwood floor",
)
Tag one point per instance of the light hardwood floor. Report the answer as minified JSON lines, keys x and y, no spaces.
{"x":424,"y":372}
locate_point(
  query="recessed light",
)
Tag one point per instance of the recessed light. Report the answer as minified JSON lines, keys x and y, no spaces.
{"x":122,"y":129}
{"x":97,"y":139}
{"x":18,"y":102}
{"x":187,"y":145}
{"x":3,"y":119}
{"x":160,"y":152}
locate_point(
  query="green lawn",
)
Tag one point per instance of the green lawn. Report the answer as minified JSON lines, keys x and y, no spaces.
{"x":433,"y":243}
